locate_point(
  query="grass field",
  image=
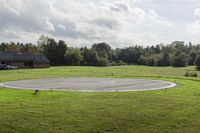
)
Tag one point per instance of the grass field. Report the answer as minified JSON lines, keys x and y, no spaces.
{"x":172,"y":110}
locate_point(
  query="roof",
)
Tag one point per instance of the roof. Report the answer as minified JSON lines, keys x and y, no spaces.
{"x":23,"y":57}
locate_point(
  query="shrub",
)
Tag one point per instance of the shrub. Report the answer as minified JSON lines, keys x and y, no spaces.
{"x":198,"y":68}
{"x":151,"y":61}
{"x":102,"y":62}
{"x":142,"y":60}
{"x":164,"y":60}
{"x":186,"y":74}
{"x":191,"y":74}
{"x":118,"y":63}
{"x":197,"y":63}
{"x":180,"y":61}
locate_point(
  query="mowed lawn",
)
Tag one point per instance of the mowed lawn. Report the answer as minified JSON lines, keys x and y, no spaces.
{"x":172,"y":110}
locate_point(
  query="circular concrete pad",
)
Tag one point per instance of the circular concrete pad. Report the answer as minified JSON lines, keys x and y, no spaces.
{"x":89,"y":84}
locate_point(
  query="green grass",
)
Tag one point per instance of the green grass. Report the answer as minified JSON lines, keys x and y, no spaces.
{"x":120,"y":71}
{"x":171,"y":110}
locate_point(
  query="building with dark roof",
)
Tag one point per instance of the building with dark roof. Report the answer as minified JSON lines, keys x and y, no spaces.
{"x":24,"y":60}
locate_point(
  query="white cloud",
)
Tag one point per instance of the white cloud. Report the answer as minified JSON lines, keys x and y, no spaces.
{"x":49,"y":26}
{"x":194,"y":28}
{"x":88,"y":21}
{"x":158,"y":20}
{"x":62,"y":26}
{"x":193,"y":31}
{"x":197,"y":12}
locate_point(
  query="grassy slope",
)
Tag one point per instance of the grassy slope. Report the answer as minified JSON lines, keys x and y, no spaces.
{"x":172,"y":110}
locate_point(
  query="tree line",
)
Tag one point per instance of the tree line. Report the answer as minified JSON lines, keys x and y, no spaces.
{"x":177,"y":54}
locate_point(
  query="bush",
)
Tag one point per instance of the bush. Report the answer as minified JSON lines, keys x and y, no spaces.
{"x":191,"y":74}
{"x":151,"y":61}
{"x":164,"y":60}
{"x":102,"y":62}
{"x":197,"y":63}
{"x":180,"y":61}
{"x":186,"y":74}
{"x":198,"y":68}
{"x":118,"y":63}
{"x":142,"y":60}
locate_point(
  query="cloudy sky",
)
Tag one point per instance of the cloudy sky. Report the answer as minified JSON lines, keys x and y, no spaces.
{"x":117,"y":22}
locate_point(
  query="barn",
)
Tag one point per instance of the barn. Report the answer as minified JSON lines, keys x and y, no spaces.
{"x":24,"y":60}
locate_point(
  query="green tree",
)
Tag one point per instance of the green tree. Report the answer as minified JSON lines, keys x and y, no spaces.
{"x":3,"y":47}
{"x":151,"y":61}
{"x":90,"y":57}
{"x":49,"y":50}
{"x":142,"y":60}
{"x":165,"y":60}
{"x":73,"y":57}
{"x":12,"y":47}
{"x":180,"y":61}
{"x":103,"y":50}
{"x":102,"y":62}
{"x":197,"y":63}
{"x":192,"y":57}
{"x":61,"y":49}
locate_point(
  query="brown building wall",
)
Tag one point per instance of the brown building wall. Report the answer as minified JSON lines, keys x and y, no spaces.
{"x":20,"y":65}
{"x":40,"y":65}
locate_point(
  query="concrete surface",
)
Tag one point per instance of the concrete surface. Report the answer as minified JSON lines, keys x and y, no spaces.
{"x":89,"y":84}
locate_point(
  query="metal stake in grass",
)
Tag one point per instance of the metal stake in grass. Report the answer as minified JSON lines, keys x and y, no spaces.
{"x":36,"y":92}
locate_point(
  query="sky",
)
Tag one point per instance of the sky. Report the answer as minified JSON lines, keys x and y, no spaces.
{"x":120,"y":23}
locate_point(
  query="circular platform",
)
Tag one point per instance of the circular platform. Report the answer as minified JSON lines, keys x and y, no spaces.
{"x":89,"y":84}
